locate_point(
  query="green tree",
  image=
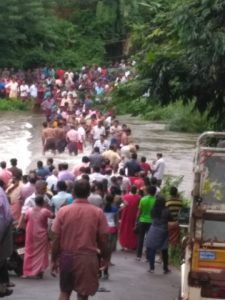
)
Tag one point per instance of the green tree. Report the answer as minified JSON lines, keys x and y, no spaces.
{"x":183,"y":54}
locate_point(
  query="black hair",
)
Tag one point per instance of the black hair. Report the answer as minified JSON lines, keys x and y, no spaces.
{"x":151,"y":189}
{"x":81,"y":189}
{"x":88,"y":170}
{"x":85,"y":159}
{"x":134,"y":155}
{"x":96,"y":149}
{"x":39,"y":200}
{"x":3,"y":164}
{"x":109,"y":201}
{"x":65,"y":166}
{"x":147,"y":180}
{"x":40,"y":164}
{"x":50,"y":160}
{"x":85,"y":177}
{"x":61,"y":185}
{"x":133,"y":189}
{"x":158,"y":207}
{"x":143,"y":159}
{"x":173,"y":191}
{"x":122,"y":172}
{"x":96,"y":169}
{"x":32,"y":177}
{"x":13,"y":162}
{"x":154,"y":181}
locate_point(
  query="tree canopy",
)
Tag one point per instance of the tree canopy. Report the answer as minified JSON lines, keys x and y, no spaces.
{"x":179,"y":45}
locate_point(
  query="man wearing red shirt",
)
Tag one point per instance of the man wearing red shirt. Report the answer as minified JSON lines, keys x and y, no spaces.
{"x":145,"y":166}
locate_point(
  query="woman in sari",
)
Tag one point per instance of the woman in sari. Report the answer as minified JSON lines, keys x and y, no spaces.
{"x":36,"y":244}
{"x":127,"y":236}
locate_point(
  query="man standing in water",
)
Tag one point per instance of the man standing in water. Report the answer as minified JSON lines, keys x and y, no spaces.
{"x":78,"y":231}
{"x":48,"y":138}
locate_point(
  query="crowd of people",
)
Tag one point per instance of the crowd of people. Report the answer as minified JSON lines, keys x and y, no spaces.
{"x":37,"y":84}
{"x":79,"y":213}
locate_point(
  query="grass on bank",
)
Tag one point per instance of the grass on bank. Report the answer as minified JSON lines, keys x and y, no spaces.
{"x":178,"y":116}
{"x":14,"y":105}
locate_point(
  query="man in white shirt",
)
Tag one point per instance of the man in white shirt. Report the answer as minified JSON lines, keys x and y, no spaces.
{"x":33,"y":91}
{"x":52,"y":181}
{"x":24,"y":90}
{"x":102,"y":144}
{"x":82,"y":137}
{"x":96,"y":175}
{"x":97,"y":131}
{"x":159,"y":168}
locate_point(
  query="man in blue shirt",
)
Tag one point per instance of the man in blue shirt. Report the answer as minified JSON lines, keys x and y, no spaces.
{"x":61,"y":198}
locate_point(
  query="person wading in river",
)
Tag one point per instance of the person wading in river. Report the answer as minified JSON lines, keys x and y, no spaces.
{"x":75,"y":250}
{"x":48,"y":138}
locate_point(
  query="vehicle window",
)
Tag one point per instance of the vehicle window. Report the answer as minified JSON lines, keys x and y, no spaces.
{"x":213,"y":231}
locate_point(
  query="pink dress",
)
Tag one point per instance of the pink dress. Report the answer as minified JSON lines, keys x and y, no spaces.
{"x":127,"y":237}
{"x":36,"y":244}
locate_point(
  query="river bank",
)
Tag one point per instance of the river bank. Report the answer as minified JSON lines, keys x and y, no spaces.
{"x":177,"y":116}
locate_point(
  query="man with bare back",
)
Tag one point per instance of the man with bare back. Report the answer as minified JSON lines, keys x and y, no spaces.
{"x":48,"y":138}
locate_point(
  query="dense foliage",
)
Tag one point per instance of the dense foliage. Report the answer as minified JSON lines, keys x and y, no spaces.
{"x":68,"y":33}
{"x":179,"y":44}
{"x":183,"y":54}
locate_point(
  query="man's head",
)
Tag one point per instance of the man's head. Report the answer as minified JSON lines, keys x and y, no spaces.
{"x":55,"y":172}
{"x":100,"y":124}
{"x":85,"y":159}
{"x":39,"y":200}
{"x":134,"y":156}
{"x":32,"y":177}
{"x":65,"y":166}
{"x":96,"y":169}
{"x":40,"y":164}
{"x":96,"y":149}
{"x":112,"y":147}
{"x":159,"y":155}
{"x":173,"y":191}
{"x":143,"y":159}
{"x":13,"y":162}
{"x":49,"y":161}
{"x":81,"y":189}
{"x":3,"y":164}
{"x":41,"y":187}
{"x":61,"y":186}
{"x":151,"y":190}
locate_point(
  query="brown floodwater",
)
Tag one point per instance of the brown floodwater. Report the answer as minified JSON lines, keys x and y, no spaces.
{"x":20,"y":136}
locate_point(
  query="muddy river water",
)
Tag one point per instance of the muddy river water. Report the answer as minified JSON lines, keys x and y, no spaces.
{"x":20,"y":136}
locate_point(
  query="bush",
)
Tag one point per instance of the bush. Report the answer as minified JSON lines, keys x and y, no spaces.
{"x":178,"y":116}
{"x":14,"y":105}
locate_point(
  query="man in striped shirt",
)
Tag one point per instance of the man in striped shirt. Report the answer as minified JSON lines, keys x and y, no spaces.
{"x":174,"y":203}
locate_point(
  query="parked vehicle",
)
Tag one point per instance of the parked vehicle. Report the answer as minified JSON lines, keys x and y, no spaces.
{"x":203,"y":267}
